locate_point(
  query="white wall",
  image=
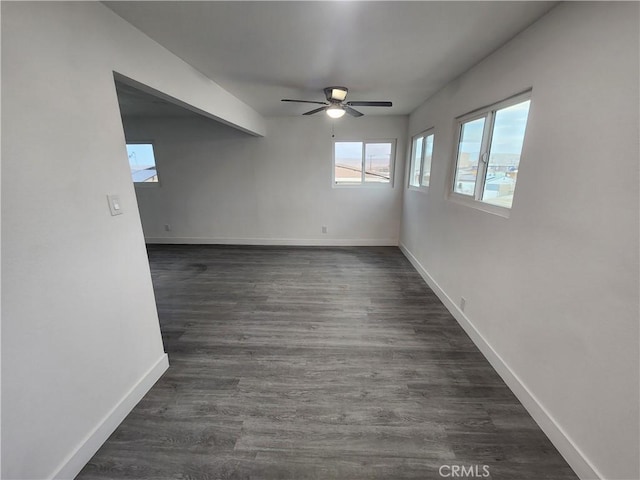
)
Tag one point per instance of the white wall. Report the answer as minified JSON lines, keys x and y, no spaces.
{"x":551,"y":292}
{"x":80,"y":336}
{"x":222,"y":186}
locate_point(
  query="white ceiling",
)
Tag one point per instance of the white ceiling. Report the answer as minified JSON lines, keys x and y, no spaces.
{"x":265,"y":51}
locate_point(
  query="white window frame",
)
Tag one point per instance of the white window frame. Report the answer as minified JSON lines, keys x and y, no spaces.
{"x":488,"y":113}
{"x":426,"y":133}
{"x":362,"y":183}
{"x":153,"y":145}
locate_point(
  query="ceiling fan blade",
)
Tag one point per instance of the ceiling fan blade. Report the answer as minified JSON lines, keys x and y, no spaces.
{"x":352,"y":111}
{"x":370,"y":104}
{"x":315,"y":111}
{"x":304,"y":101}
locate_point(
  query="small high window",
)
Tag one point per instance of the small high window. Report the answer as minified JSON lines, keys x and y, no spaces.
{"x":363,"y":163}
{"x":489,"y":147}
{"x":421,"y":153}
{"x":142,"y":162}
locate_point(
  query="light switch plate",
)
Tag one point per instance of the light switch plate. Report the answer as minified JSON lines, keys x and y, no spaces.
{"x":114,"y":204}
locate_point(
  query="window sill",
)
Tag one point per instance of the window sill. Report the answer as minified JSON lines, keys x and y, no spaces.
{"x":423,"y":189}
{"x":477,"y":205}
{"x":362,"y":185}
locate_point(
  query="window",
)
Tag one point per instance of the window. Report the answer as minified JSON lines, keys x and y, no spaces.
{"x":421,"y":153}
{"x":489,"y":150}
{"x":142,"y":163}
{"x":360,"y":163}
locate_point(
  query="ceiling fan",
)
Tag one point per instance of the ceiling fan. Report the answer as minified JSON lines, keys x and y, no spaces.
{"x":335,"y":106}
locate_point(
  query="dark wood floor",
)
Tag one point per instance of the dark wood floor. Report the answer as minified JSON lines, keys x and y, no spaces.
{"x":316,"y":363}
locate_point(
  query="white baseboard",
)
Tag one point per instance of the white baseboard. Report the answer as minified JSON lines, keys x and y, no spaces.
{"x":301,"y":242}
{"x":567,"y":448}
{"x":72,"y":465}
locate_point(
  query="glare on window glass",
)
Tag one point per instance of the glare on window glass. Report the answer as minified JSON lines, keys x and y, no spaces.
{"x":468,"y":156}
{"x":142,"y":162}
{"x":414,"y":181}
{"x":504,"y":157}
{"x":377,"y":163}
{"x":348,"y":162}
{"x":428,"y":153}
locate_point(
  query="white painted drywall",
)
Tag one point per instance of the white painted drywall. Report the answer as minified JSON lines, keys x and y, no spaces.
{"x":0,"y":263}
{"x":222,"y":186}
{"x":554,"y":288}
{"x":80,"y":327}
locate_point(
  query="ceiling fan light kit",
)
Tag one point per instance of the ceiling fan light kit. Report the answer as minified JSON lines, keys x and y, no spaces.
{"x":335,"y":111}
{"x":336,"y":107}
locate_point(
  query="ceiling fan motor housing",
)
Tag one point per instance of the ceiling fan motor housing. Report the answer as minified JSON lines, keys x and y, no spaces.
{"x":336,"y":94}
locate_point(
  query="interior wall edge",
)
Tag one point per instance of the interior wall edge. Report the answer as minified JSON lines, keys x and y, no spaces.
{"x":72,"y":465}
{"x":576,"y":459}
{"x":255,"y":132}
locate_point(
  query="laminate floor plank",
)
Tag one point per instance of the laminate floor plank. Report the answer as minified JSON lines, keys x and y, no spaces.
{"x":316,"y":363}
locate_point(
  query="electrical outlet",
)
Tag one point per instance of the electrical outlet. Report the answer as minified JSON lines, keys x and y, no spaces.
{"x":463,"y":303}
{"x":167,"y":227}
{"x":324,"y":229}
